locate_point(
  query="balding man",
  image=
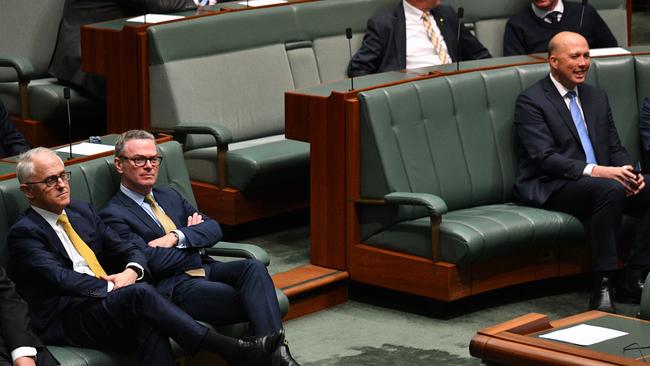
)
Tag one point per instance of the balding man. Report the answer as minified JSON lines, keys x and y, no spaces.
{"x":417,"y":33}
{"x":572,"y":161}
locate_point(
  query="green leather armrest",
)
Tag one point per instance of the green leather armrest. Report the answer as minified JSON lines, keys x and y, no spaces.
{"x":22,"y":65}
{"x":240,"y":250}
{"x":433,"y":203}
{"x":222,"y":134}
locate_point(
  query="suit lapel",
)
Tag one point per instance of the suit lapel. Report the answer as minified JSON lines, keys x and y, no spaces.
{"x":558,"y":102}
{"x":54,"y":240}
{"x":168,"y":205}
{"x":139,"y":213}
{"x":399,"y":34}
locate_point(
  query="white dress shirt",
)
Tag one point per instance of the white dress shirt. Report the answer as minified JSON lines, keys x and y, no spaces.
{"x":419,"y":49}
{"x":541,"y":13}
{"x":564,"y":93}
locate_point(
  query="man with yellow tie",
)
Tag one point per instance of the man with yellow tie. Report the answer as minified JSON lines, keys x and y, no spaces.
{"x":417,"y":33}
{"x":80,"y":279}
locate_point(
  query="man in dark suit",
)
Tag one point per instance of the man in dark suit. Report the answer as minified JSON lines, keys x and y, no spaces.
{"x":12,"y":141}
{"x":644,"y":125}
{"x":417,"y":33}
{"x":572,"y":160}
{"x":18,"y":345}
{"x":66,"y":61}
{"x":530,"y":30}
{"x":61,"y":256}
{"x":171,"y":233}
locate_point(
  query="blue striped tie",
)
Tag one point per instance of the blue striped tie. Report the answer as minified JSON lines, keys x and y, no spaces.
{"x":581,"y":126}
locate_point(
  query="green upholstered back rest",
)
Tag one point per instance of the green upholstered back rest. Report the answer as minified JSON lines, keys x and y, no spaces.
{"x":94,"y":181}
{"x":29,"y":29}
{"x":253,"y":56}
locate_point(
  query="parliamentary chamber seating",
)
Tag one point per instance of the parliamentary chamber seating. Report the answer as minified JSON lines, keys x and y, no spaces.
{"x":28,"y":34}
{"x":434,"y":210}
{"x":96,"y":181}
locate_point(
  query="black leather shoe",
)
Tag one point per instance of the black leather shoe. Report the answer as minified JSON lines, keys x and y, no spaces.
{"x":630,"y":288}
{"x":256,"y":351}
{"x":281,"y":356}
{"x":601,"y":294}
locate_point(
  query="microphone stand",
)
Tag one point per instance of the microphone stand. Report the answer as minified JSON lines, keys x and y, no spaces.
{"x":66,"y":95}
{"x":348,"y":35}
{"x":461,"y":12}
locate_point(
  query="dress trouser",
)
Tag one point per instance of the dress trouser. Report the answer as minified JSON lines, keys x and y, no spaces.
{"x":134,"y":317}
{"x":232,"y":292}
{"x":603,"y":202}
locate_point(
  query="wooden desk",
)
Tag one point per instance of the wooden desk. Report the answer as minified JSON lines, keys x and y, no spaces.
{"x":117,"y":50}
{"x":516,"y":342}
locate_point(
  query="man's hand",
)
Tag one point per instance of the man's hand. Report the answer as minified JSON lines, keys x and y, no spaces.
{"x":25,"y":361}
{"x":633,"y":183}
{"x":166,"y":241}
{"x":122,"y":279}
{"x":195,"y":219}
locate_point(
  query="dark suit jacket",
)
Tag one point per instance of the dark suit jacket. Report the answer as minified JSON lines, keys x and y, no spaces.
{"x":384,"y":44}
{"x":43,"y":271}
{"x":550,"y":152}
{"x":131,"y":222}
{"x":644,"y":125}
{"x":12,"y":141}
{"x":66,"y":61}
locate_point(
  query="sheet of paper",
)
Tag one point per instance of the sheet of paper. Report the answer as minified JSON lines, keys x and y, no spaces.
{"x":595,"y":52}
{"x":154,"y":18}
{"x":262,"y":2}
{"x":86,"y":148}
{"x":584,"y":335}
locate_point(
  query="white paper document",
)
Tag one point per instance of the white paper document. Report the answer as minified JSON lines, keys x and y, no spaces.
{"x":261,"y":2}
{"x":584,"y":335}
{"x":86,"y":148}
{"x":154,"y":18}
{"x":595,"y":52}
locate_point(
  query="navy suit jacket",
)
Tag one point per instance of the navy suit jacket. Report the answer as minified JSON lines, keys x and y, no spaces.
{"x":131,"y":222}
{"x":550,"y":152}
{"x":644,"y":125}
{"x":384,"y":44}
{"x":43,"y":271}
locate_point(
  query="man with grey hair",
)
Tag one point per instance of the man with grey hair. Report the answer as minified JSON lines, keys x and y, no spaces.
{"x":81,"y":279}
{"x":171,"y":233}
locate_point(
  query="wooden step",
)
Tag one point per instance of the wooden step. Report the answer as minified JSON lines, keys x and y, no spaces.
{"x":312,"y":288}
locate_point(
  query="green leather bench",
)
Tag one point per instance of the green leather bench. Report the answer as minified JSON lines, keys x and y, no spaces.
{"x":438,"y":161}
{"x":96,"y":181}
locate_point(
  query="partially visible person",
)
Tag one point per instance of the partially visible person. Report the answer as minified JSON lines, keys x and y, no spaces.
{"x":572,"y":160}
{"x":84,"y":284}
{"x":171,"y":232}
{"x":644,"y":125}
{"x":417,"y":33}
{"x":12,"y":141}
{"x":530,"y":30}
{"x":19,"y":346}
{"x":66,"y":61}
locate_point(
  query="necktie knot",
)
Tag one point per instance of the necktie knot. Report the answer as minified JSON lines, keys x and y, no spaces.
{"x":571,"y":94}
{"x":149,"y":199}
{"x":63,"y":219}
{"x":553,"y":17}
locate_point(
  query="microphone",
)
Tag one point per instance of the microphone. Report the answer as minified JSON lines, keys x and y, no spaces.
{"x":66,"y":95}
{"x":582,"y":13}
{"x":461,"y":12}
{"x":348,"y":35}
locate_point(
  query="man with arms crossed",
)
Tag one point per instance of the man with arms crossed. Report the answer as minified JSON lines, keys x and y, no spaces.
{"x":571,"y":160}
{"x":61,"y":254}
{"x":171,"y":233}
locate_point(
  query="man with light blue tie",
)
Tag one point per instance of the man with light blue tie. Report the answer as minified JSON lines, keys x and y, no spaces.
{"x":571,"y":160}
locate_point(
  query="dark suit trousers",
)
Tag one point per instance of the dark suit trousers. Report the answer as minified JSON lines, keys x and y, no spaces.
{"x":232,"y":292}
{"x":603,"y":201}
{"x":131,"y":318}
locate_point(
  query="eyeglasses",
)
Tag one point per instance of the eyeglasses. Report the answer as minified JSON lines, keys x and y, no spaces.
{"x":141,"y":161}
{"x":52,"y":180}
{"x":636,"y":347}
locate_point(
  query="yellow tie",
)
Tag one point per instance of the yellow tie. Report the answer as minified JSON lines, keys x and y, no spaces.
{"x":83,"y":248}
{"x":437,"y":42}
{"x":167,"y":223}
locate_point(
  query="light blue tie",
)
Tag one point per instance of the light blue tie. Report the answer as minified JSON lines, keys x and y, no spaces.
{"x":581,"y":126}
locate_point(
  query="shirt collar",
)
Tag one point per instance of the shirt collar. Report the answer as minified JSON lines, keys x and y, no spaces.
{"x":559,"y":7}
{"x":411,"y":11}
{"x":561,"y":88}
{"x":135,"y":196}
{"x":51,"y":217}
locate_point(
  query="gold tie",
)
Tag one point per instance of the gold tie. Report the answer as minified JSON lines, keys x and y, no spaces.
{"x":437,"y":42}
{"x":83,"y":248}
{"x":167,"y":223}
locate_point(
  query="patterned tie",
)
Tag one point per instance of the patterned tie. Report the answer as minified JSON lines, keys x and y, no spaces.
{"x":553,"y":17}
{"x":437,"y":42}
{"x":581,"y":126}
{"x":81,"y":247}
{"x":165,"y":221}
